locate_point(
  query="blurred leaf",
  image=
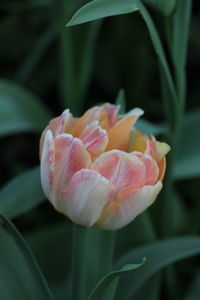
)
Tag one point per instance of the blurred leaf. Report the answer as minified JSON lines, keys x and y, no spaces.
{"x":37,"y":51}
{"x":21,"y":194}
{"x":158,"y":48}
{"x":149,"y":128}
{"x":194,"y":290}
{"x":23,"y":5}
{"x":53,"y":239}
{"x":20,"y":276}
{"x":166,"y":7}
{"x":97,"y":9}
{"x":180,"y":45}
{"x":181,"y":32}
{"x":20,"y":111}
{"x":106,"y":288}
{"x":92,"y":251}
{"x":159,"y":255}
{"x":121,"y":100}
{"x":187,"y":163}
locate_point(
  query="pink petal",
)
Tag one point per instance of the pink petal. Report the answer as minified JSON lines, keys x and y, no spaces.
{"x":47,"y":164}
{"x":63,"y":123}
{"x":121,"y":168}
{"x":152,"y":170}
{"x":112,"y":111}
{"x":95,"y":139}
{"x":70,"y":157}
{"x":128,"y":204}
{"x":85,"y":197}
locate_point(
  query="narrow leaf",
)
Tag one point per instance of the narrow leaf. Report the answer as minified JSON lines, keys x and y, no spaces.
{"x":165,"y":7}
{"x":97,"y":9}
{"x":20,"y":276}
{"x":106,"y":288}
{"x":121,"y":101}
{"x":159,"y":255}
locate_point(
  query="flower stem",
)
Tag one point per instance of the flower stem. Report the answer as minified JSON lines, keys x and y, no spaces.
{"x":92,"y":258}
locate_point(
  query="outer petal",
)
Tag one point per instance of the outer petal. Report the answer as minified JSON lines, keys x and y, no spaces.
{"x":128,"y":204}
{"x":157,"y":149}
{"x":95,"y":139}
{"x":57,"y":126}
{"x":151,"y":166}
{"x":85,"y":197}
{"x":119,"y":134}
{"x":121,"y":168}
{"x":47,"y":164}
{"x":63,"y":123}
{"x":70,"y":157}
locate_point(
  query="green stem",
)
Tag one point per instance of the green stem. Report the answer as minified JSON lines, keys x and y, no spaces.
{"x":92,"y":258}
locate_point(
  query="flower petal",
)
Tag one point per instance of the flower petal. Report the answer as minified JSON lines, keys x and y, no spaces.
{"x":47,"y":164}
{"x":151,"y":166}
{"x":95,"y":113}
{"x":94,"y":138}
{"x":119,"y":134}
{"x":162,"y":168}
{"x":121,"y":168}
{"x":70,"y":157}
{"x":157,"y":149}
{"x":85,"y":197}
{"x":129,"y":203}
{"x":63,"y":123}
{"x":112,"y":111}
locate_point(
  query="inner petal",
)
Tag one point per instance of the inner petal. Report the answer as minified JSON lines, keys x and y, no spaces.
{"x":94,"y":138}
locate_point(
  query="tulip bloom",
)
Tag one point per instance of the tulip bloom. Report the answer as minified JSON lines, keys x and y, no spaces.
{"x":98,"y":170}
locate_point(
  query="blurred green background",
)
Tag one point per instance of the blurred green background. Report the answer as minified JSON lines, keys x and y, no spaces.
{"x":46,"y":67}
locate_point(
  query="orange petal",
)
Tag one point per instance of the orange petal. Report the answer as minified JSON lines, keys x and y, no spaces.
{"x":70,"y":157}
{"x":47,"y":164}
{"x":138,"y":141}
{"x":85,"y":197}
{"x":95,"y":139}
{"x":162,"y":168}
{"x":119,"y":134}
{"x":151,"y":168}
{"x":129,"y":203}
{"x":95,"y":113}
{"x":121,"y":168}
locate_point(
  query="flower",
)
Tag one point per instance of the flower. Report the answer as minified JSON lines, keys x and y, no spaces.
{"x":98,"y":170}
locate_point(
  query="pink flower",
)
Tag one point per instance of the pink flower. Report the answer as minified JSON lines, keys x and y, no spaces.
{"x":98,"y":170}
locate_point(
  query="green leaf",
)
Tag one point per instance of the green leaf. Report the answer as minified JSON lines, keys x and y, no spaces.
{"x":149,"y":128}
{"x":180,"y":44}
{"x":166,"y":7}
{"x":35,"y":54}
{"x":106,"y":288}
{"x":20,"y":276}
{"x":121,"y":101}
{"x":21,"y":194}
{"x":187,"y":163}
{"x":97,"y":9}
{"x":55,"y":239}
{"x":194,"y":290}
{"x":159,"y":255}
{"x":20,"y":111}
{"x":158,"y":48}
